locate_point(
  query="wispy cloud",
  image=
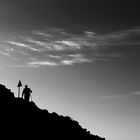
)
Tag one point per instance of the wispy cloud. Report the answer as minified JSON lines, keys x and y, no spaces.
{"x":136,"y":93}
{"x":18,"y":44}
{"x":75,"y":60}
{"x":120,"y":96}
{"x":115,"y":96}
{"x":3,"y":53}
{"x":23,"y":45}
{"x":56,"y":47}
{"x":38,"y":63}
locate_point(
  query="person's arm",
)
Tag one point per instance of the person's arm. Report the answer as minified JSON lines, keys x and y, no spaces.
{"x":30,"y":90}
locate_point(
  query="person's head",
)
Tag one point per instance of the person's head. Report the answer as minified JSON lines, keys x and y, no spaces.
{"x":26,"y":86}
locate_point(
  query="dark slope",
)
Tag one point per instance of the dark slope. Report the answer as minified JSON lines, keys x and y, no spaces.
{"x":20,"y":119}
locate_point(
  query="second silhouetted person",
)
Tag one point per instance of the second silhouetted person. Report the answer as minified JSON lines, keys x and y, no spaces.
{"x":26,"y":93}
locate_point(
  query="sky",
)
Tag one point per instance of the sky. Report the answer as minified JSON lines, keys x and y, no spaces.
{"x":80,"y":58}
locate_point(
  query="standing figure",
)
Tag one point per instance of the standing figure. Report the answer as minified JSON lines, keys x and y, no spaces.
{"x":26,"y":93}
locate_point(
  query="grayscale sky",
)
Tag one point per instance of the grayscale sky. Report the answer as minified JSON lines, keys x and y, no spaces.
{"x":80,"y":58}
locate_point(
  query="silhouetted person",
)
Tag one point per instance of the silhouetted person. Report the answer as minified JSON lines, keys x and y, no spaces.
{"x":26,"y":93}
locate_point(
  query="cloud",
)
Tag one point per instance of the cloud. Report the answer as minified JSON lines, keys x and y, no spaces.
{"x":26,"y":46}
{"x":55,"y":47}
{"x":65,"y":60}
{"x":115,"y":96}
{"x":136,"y":93}
{"x":75,"y":60}
{"x":5,"y":50}
{"x":118,"y":96}
{"x":126,"y":37}
{"x":3,"y":53}
{"x":37,"y":63}
{"x":18,"y":44}
{"x":110,"y":55}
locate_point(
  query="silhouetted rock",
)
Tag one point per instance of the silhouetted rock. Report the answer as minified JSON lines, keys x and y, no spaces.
{"x":21,"y":119}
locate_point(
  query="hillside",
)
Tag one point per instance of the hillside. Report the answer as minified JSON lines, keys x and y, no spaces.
{"x":20,"y":119}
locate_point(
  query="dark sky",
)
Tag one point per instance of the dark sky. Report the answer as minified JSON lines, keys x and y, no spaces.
{"x":80,"y":58}
{"x":100,"y":15}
